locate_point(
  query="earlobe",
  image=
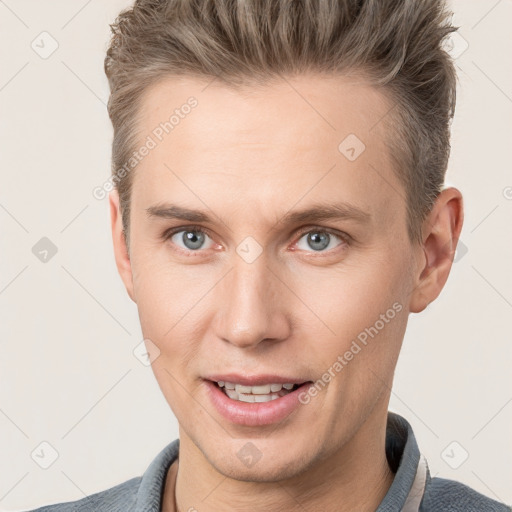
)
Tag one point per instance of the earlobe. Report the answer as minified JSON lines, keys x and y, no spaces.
{"x":441,"y":231}
{"x":121,"y":254}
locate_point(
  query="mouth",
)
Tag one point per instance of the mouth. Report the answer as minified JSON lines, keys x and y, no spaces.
{"x":256,"y":394}
{"x":255,"y":401}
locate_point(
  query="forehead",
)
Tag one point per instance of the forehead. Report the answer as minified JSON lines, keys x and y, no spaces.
{"x":309,"y":138}
{"x":313,"y":106}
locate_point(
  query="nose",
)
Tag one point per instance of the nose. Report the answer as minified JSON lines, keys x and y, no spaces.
{"x":251,"y":305}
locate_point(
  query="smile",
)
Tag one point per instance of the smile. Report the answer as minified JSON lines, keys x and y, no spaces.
{"x":255,"y":401}
{"x":252,"y":394}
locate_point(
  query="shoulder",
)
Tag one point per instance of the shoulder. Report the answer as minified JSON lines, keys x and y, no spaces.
{"x":142,"y":492}
{"x":116,"y":499}
{"x":452,"y":496}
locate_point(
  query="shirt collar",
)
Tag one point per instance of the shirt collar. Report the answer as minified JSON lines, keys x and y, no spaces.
{"x":412,"y":475}
{"x":151,"y":488}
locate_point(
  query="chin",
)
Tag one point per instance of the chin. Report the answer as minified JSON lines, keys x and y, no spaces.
{"x":275,"y":465}
{"x":262,"y":474}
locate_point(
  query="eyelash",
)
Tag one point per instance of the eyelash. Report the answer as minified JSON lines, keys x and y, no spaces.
{"x":344,"y":237}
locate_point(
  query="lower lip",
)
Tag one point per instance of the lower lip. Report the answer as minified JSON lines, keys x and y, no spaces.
{"x":254,"y":414}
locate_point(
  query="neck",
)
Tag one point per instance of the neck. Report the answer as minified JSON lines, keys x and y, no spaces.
{"x":356,"y":477}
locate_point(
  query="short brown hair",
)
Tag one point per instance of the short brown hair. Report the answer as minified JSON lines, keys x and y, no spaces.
{"x":395,"y":44}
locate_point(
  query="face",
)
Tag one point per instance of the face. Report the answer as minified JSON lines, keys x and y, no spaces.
{"x":267,"y":248}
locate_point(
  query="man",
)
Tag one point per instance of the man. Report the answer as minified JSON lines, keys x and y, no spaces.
{"x":278,"y":212}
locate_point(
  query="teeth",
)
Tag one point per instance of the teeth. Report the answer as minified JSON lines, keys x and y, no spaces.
{"x":232,"y":394}
{"x":261,"y":390}
{"x":257,"y":398}
{"x":243,"y":389}
{"x":252,"y":394}
{"x":265,"y":398}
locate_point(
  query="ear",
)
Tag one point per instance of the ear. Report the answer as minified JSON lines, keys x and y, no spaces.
{"x":440,"y":234}
{"x":120,"y":249}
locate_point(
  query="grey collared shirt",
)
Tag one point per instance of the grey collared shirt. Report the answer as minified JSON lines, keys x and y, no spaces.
{"x":412,"y":490}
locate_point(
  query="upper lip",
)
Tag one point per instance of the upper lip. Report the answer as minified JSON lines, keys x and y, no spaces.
{"x":255,"y":380}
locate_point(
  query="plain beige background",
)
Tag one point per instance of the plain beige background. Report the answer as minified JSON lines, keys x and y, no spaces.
{"x":68,"y":330}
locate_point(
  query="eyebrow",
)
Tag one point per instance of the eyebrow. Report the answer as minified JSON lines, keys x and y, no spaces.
{"x":314,"y":213}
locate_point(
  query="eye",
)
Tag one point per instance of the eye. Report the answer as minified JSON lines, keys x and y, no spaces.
{"x":320,"y":240}
{"x":189,"y":239}
{"x":196,"y":238}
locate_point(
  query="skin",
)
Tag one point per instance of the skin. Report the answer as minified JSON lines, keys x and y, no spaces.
{"x":248,"y":157}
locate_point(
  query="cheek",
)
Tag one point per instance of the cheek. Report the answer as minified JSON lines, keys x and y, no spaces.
{"x":163,"y":289}
{"x":350,"y":297}
{"x":169,"y":308}
{"x":361,"y":320}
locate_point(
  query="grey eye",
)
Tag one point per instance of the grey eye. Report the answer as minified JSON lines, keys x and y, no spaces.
{"x":317,"y":240}
{"x":191,"y":239}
